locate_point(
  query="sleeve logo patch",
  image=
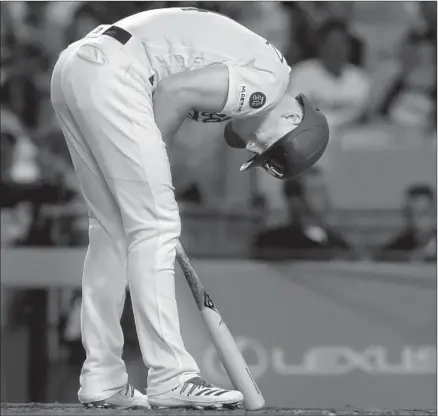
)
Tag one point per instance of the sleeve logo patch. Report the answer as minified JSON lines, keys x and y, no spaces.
{"x":257,"y":100}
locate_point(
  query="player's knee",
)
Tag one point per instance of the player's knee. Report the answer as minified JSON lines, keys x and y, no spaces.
{"x":162,"y":230}
{"x":172,"y":226}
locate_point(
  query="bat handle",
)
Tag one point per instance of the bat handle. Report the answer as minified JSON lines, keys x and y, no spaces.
{"x":180,"y":252}
{"x":193,"y":281}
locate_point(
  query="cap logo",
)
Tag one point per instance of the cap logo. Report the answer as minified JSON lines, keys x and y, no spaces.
{"x":257,"y":100}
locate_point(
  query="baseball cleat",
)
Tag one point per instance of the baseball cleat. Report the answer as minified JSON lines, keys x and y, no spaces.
{"x":197,"y":394}
{"x":126,"y":399}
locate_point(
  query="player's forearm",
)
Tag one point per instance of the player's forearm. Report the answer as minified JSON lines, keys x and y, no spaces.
{"x":176,"y":95}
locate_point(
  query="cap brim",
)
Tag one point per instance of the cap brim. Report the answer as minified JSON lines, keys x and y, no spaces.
{"x":256,"y":160}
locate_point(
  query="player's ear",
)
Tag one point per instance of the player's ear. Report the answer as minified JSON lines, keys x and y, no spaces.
{"x":232,"y":138}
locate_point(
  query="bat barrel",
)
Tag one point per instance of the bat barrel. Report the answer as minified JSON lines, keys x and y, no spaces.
{"x":224,"y":343}
{"x":232,"y":360}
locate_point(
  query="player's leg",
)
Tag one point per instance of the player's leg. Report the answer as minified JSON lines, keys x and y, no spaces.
{"x":117,"y":120}
{"x":115,"y":112}
{"x":104,"y":274}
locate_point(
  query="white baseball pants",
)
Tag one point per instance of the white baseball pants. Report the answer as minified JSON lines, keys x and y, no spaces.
{"x":102,"y":97}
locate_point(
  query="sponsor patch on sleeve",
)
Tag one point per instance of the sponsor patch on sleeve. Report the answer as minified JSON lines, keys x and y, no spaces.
{"x":257,"y":100}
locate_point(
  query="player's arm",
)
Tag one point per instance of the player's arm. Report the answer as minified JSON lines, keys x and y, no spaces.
{"x":177,"y":95}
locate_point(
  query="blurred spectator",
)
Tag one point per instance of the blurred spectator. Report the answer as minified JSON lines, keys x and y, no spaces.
{"x":8,"y":36}
{"x":34,"y":183}
{"x":411,"y":96}
{"x":302,"y":43}
{"x":16,"y":211}
{"x":307,"y":17}
{"x":337,"y":87}
{"x":86,"y":17}
{"x":418,"y":239}
{"x":191,"y":195}
{"x":307,"y":235}
{"x":62,"y":220}
{"x":24,"y":82}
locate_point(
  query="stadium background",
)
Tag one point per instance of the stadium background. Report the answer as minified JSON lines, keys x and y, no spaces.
{"x":344,"y":316}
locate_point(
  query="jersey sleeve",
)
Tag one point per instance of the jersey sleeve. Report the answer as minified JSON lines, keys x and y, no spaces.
{"x":252,"y":91}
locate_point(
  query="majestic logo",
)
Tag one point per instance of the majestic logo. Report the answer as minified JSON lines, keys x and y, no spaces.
{"x":242,"y":98}
{"x":208,"y":303}
{"x":257,"y":100}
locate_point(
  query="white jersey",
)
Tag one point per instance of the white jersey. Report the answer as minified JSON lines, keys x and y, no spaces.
{"x":184,"y":39}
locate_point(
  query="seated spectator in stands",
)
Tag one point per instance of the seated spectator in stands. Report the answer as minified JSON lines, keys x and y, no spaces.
{"x":338,"y":88}
{"x":307,"y":235}
{"x":24,"y":82}
{"x":32,"y":179}
{"x":87,"y":17}
{"x":62,"y":220}
{"x":417,"y":242}
{"x":16,"y":211}
{"x":307,"y":17}
{"x":8,"y":37}
{"x":411,"y":96}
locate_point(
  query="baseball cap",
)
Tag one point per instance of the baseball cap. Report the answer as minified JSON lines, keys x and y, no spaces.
{"x":295,"y":151}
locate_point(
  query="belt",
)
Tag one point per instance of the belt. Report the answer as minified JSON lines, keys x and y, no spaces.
{"x":122,"y":36}
{"x":118,"y":34}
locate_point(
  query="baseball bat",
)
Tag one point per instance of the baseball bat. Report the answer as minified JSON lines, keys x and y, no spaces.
{"x":223,"y":341}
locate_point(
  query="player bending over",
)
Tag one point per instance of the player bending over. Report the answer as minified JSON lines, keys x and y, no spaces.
{"x":120,"y":94}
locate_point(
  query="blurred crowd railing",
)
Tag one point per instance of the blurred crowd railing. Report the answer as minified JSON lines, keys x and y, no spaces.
{"x":219,"y":233}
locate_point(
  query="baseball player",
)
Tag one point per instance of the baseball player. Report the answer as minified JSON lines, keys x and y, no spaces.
{"x":120,"y":94}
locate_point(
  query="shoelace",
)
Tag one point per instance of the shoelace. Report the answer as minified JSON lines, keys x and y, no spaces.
{"x":200,"y":382}
{"x":201,"y":386}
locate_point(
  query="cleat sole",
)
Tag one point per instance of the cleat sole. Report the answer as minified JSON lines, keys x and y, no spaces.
{"x":216,"y":406}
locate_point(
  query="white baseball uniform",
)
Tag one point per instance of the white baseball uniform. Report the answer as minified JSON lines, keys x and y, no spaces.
{"x":102,"y":94}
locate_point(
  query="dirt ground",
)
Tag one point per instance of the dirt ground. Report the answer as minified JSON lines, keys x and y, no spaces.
{"x":34,"y":409}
